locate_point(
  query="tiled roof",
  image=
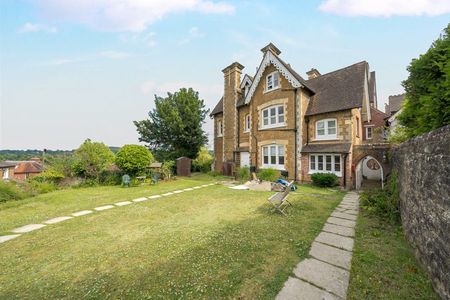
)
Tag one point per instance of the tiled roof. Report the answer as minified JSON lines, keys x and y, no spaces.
{"x":218,"y":109}
{"x":327,"y":148}
{"x":296,"y":75}
{"x":395,"y":103}
{"x":7,"y":164}
{"x":28,"y":167}
{"x":338,"y":90}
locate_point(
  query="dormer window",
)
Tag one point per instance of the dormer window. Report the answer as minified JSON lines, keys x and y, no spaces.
{"x":326,"y":129}
{"x":219,"y":128}
{"x":272,"y":81}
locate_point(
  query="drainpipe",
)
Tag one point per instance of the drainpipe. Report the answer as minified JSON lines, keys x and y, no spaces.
{"x":307,"y":130}
{"x":295,"y":135}
{"x":345,"y":168}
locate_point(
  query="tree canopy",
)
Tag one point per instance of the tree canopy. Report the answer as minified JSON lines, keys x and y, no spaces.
{"x":91,"y":158}
{"x":134,"y":159}
{"x":427,"y":104}
{"x":174,"y":127}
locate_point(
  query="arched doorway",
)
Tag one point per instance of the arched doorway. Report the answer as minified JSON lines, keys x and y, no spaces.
{"x":369,"y":173}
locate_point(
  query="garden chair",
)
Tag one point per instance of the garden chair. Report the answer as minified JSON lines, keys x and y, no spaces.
{"x":279,"y":199}
{"x":155,"y":178}
{"x":126,"y":180}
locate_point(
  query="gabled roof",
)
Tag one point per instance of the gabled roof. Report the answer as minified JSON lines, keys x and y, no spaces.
{"x":338,"y":90}
{"x":395,"y":103}
{"x":218,"y":109}
{"x":28,"y":167}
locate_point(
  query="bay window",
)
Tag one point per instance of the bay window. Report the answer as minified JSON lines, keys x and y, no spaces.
{"x":273,"y":116}
{"x":326,"y":129}
{"x":325,"y":163}
{"x":273,"y":156}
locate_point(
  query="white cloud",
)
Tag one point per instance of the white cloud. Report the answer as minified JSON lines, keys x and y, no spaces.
{"x":386,"y":8}
{"x":32,"y":27}
{"x":126,"y":15}
{"x":193,"y":33}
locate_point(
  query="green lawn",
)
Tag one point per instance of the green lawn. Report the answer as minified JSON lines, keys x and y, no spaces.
{"x":209,"y":243}
{"x":383,"y":264}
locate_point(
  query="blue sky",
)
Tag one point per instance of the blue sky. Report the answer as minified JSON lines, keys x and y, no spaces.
{"x":71,"y":70}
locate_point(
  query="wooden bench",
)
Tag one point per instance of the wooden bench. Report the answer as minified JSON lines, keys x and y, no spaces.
{"x":279,"y":199}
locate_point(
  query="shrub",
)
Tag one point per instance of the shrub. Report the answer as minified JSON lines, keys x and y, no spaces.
{"x":243,"y":173}
{"x":268,"y":174}
{"x":202,"y":163}
{"x":91,"y":158}
{"x":34,"y":187}
{"x":10,"y":191}
{"x":110,"y":178}
{"x":383,"y":202}
{"x":134,"y":159}
{"x":214,"y":173}
{"x":49,"y":175}
{"x":168,"y":169}
{"x":324,"y":179}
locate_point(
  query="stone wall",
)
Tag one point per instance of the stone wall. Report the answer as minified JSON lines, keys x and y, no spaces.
{"x":423,"y":165}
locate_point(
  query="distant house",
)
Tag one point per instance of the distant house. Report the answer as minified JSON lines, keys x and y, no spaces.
{"x":21,"y":170}
{"x":393,"y":109}
{"x":374,"y":130}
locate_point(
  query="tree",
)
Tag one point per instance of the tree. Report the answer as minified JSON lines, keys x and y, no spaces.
{"x":91,"y":158}
{"x":427,"y":104}
{"x":133,"y":159}
{"x":203,"y":161}
{"x":174,"y":127}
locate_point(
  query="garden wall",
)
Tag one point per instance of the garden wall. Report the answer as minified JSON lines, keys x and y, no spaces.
{"x":423,"y":165}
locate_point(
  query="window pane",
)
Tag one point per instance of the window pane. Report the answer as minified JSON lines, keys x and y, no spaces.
{"x":281,"y":160}
{"x":273,"y":111}
{"x":337,"y":163}
{"x":320,"y":162}
{"x":266,"y":160}
{"x":332,"y":124}
{"x":273,"y":150}
{"x":321,"y":132}
{"x":320,"y":125}
{"x":266,"y":121}
{"x":328,"y":163}
{"x":312,"y":160}
{"x":273,"y":155}
{"x":331,"y":131}
{"x":281,"y":110}
{"x":266,"y":151}
{"x":273,"y":120}
{"x":276,"y":80}
{"x":281,"y":119}
{"x":265,"y":113}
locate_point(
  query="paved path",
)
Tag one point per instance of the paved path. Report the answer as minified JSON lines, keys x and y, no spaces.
{"x":32,"y":227}
{"x":326,"y":272}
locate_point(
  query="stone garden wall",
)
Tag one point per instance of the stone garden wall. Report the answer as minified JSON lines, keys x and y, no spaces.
{"x":423,"y":165}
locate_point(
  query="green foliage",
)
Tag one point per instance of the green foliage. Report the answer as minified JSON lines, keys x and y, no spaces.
{"x":214,"y":173}
{"x":49,"y":175}
{"x":427,"y":104}
{"x":324,"y":179}
{"x":243,"y":173}
{"x":174,"y":127}
{"x":269,"y":174}
{"x":134,"y":159}
{"x":109,"y":177}
{"x":168,"y":169}
{"x":384,"y":202}
{"x":10,"y":191}
{"x":202,"y":163}
{"x":91,"y":158}
{"x":34,"y":187}
{"x":399,"y":136}
{"x":61,"y":163}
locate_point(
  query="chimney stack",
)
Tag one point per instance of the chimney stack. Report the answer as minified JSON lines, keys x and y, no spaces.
{"x":272,"y":48}
{"x":313,"y":73}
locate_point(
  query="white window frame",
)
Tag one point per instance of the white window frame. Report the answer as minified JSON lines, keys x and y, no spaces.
{"x":277,"y":163}
{"x":367,"y":132}
{"x":247,"y":123}
{"x":270,"y":117}
{"x":325,"y":128}
{"x":271,"y":84}
{"x":220,"y":128}
{"x":315,"y":159}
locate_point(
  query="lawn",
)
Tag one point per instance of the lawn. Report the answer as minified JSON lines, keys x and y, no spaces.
{"x":211,"y":243}
{"x":383,"y":264}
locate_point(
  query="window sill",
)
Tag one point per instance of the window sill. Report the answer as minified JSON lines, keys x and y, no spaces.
{"x":326,"y":139}
{"x":274,"y":89}
{"x":246,"y":131}
{"x":338,"y":174}
{"x":267,"y":127}
{"x":219,"y":136}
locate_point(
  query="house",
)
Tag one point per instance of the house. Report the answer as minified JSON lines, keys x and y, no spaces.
{"x":393,"y":109}
{"x":278,"y":119}
{"x":21,"y":170}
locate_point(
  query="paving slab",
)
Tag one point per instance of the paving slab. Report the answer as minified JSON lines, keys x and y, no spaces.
{"x":343,"y":216}
{"x":104,"y":207}
{"x":188,"y":189}
{"x":177,"y":192}
{"x":197,"y":187}
{"x":348,"y":206}
{"x":331,"y":255}
{"x":154,"y":197}
{"x":122,"y":203}
{"x":4,"y":238}
{"x":341,"y":222}
{"x":167,"y":194}
{"x":335,"y":240}
{"x":27,"y":228}
{"x":351,"y":212}
{"x":296,"y":289}
{"x":82,"y":213}
{"x":57,"y":220}
{"x":205,"y":185}
{"x":341,"y":230}
{"x":140,"y":199}
{"x":326,"y":276}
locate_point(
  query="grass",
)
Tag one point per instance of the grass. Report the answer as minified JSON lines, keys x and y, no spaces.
{"x":383,"y":264}
{"x":209,"y":243}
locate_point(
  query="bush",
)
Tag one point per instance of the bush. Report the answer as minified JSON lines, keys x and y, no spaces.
{"x":10,"y":191}
{"x":168,"y":169}
{"x":324,"y":179}
{"x":243,"y":173}
{"x":91,"y":158}
{"x":134,"y":159}
{"x":214,"y":173}
{"x":49,"y":175}
{"x":383,"y":202}
{"x":110,"y":178}
{"x":202,"y":163}
{"x":34,"y":187}
{"x":269,"y":174}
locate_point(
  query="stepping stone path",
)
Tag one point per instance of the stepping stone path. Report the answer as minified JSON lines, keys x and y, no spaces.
{"x":326,"y":272}
{"x":31,"y":227}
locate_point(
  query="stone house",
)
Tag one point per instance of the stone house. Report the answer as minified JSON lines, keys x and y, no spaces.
{"x":21,"y":170}
{"x":277,"y":119}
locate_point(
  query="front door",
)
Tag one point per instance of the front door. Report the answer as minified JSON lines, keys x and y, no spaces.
{"x":245,"y":159}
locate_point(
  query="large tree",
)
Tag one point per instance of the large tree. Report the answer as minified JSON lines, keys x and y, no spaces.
{"x":174,"y":127}
{"x":427,"y":104}
{"x":91,"y":158}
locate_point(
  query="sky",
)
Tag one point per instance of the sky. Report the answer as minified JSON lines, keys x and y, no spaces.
{"x":72,"y":70}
